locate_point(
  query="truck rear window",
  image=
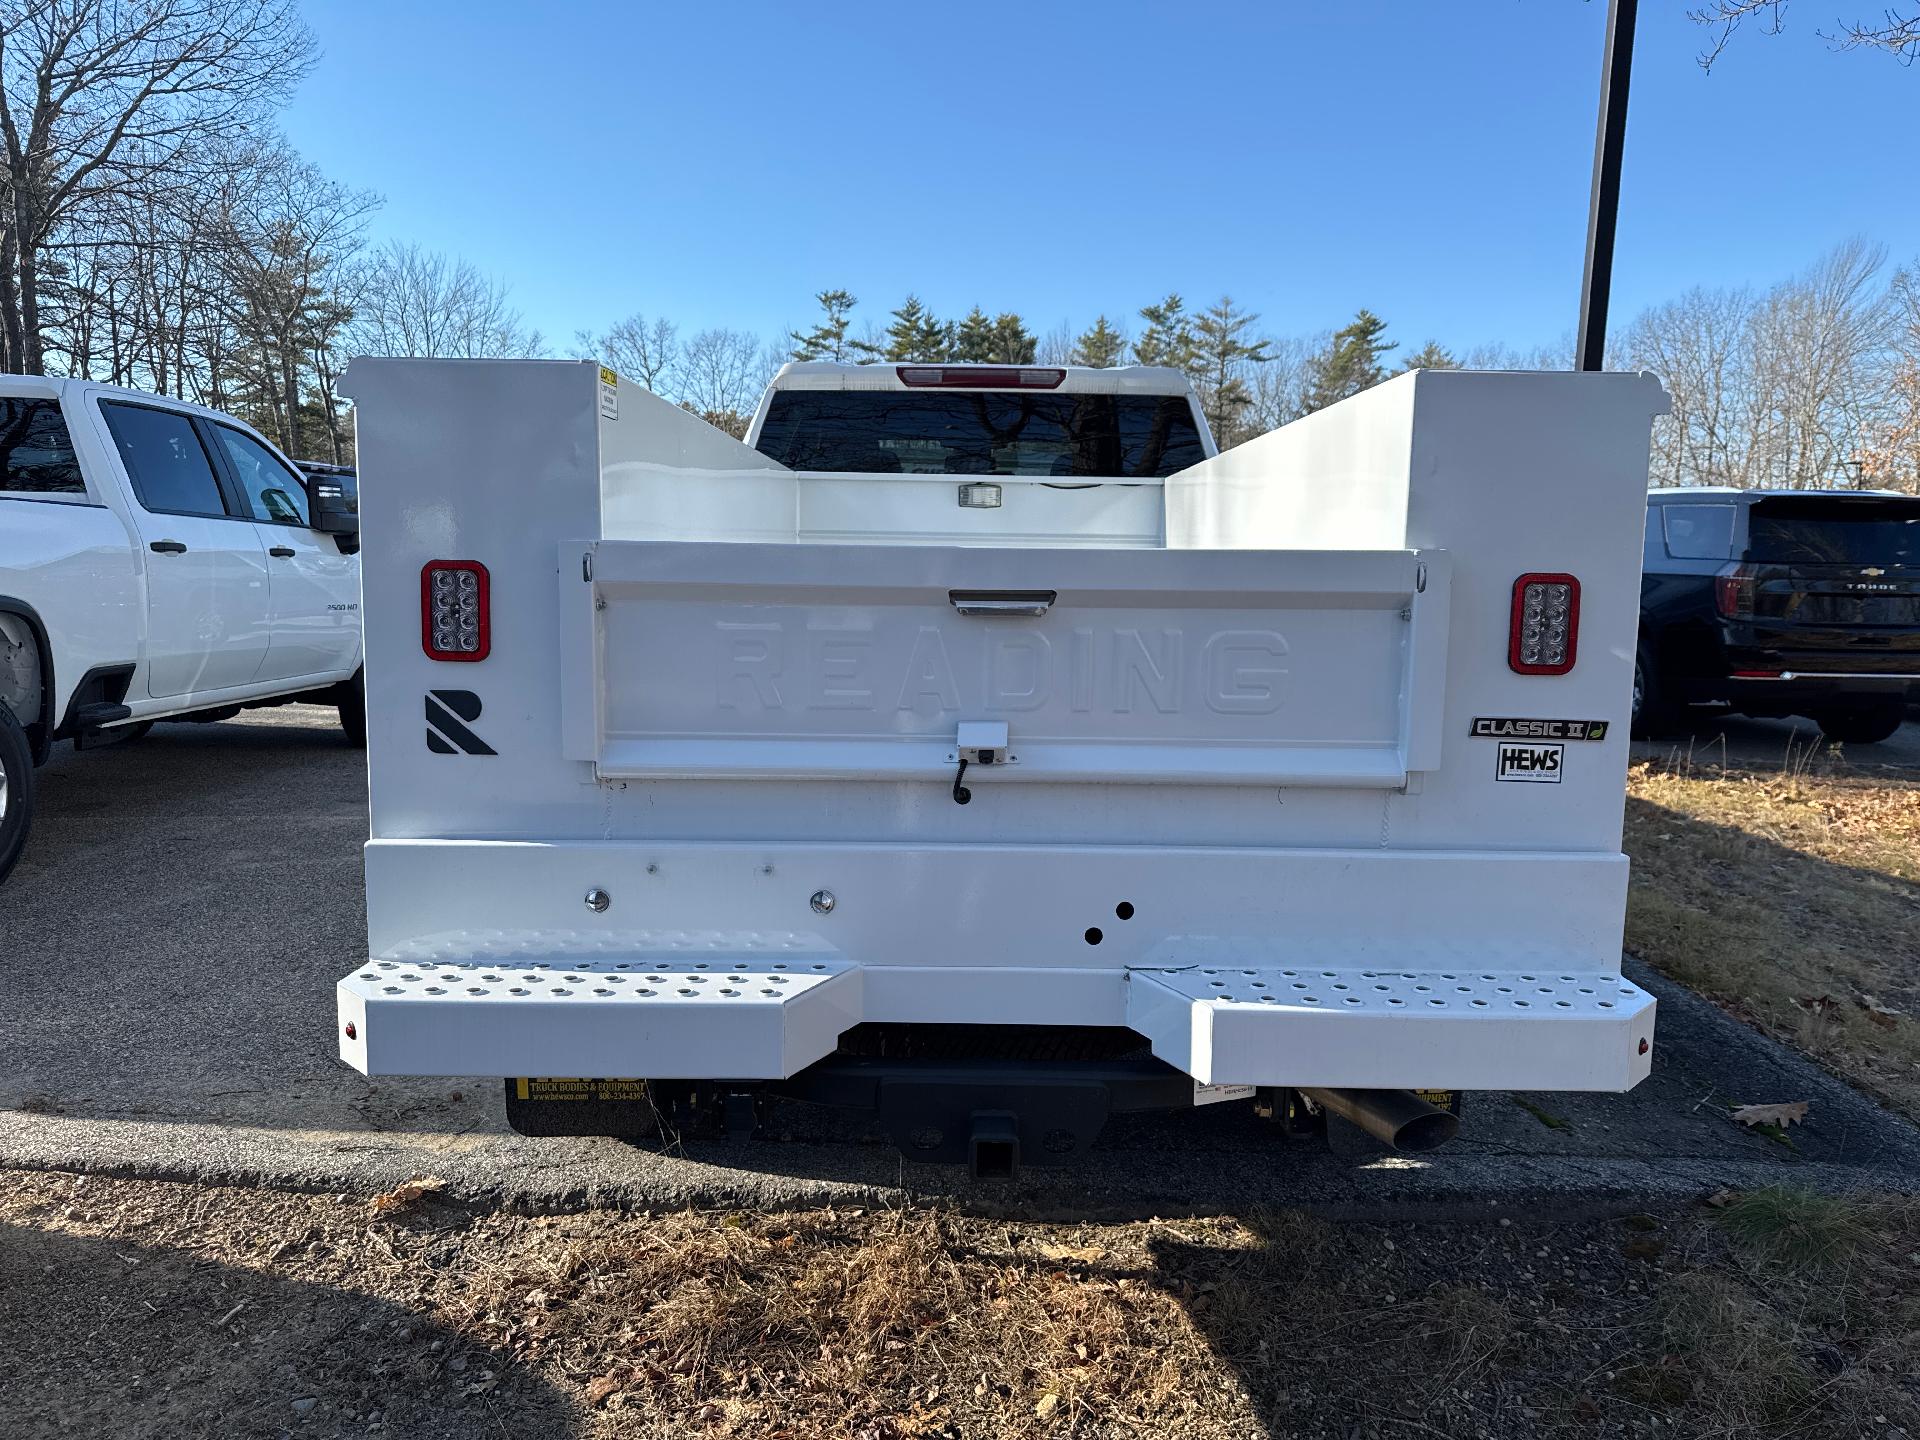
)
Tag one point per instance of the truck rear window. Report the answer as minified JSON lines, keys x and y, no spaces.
{"x":1835,"y":532}
{"x":883,"y":432}
{"x":36,"y":452}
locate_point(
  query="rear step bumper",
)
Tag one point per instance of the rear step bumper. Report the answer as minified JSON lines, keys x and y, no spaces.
{"x":749,"y":1017}
{"x":1306,"y":1026}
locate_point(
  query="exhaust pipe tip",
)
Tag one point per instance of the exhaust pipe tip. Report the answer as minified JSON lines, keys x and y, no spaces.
{"x":1397,"y":1117}
{"x":1426,"y":1132}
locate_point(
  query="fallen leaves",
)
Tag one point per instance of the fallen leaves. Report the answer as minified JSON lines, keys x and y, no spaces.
{"x":1885,"y":1016}
{"x":1085,"y":1254}
{"x":407,"y":1192}
{"x":603,"y":1387}
{"x":1782,"y":1115}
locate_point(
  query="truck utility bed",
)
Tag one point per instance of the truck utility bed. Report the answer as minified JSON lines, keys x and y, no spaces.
{"x":1248,"y":760}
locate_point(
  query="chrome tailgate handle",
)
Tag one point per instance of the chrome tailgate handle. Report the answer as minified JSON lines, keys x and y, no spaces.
{"x":1002,"y":602}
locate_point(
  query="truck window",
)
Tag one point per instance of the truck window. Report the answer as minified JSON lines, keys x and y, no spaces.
{"x":1699,"y":532}
{"x":170,"y":470}
{"x":1834,"y":532}
{"x":36,"y":452}
{"x":274,"y":493}
{"x":930,"y":432}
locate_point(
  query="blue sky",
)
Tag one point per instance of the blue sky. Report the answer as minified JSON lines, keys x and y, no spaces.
{"x":719,"y":163}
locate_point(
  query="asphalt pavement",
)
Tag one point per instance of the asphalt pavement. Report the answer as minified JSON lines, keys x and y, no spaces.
{"x":170,"y":943}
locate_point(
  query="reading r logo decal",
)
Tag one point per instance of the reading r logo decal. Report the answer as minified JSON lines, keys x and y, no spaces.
{"x":446,"y":709}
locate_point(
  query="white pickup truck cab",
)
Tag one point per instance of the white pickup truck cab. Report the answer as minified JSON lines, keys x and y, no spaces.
{"x":158,"y":560}
{"x":979,"y":749}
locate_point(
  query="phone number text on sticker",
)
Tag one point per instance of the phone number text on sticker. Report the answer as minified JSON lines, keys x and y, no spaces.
{"x":1535,"y":764}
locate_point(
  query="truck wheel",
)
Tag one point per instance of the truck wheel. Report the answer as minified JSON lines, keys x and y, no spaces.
{"x":353,"y":709}
{"x":1864,"y":724}
{"x":1652,"y":715}
{"x":16,"y":789}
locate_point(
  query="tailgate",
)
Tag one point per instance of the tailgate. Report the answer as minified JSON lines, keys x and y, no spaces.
{"x":821,"y":661}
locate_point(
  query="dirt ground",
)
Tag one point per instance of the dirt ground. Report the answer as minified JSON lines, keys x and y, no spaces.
{"x":155,"y":1309}
{"x":1789,"y":892}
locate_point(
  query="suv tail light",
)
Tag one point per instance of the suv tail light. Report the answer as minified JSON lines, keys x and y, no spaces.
{"x":983,"y":377}
{"x":1733,"y":591}
{"x":1544,"y":632}
{"x":453,"y":610}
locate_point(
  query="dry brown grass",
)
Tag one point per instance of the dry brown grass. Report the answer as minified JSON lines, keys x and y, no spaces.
{"x":143,"y":1308}
{"x":1791,"y":895}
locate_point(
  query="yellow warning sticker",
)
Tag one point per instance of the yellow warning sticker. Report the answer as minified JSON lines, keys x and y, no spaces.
{"x":607,"y":377}
{"x":561,"y":1088}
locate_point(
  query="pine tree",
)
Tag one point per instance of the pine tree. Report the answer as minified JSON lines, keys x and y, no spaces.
{"x":974,"y":340}
{"x":1168,"y":338}
{"x":1431,"y":356}
{"x":1349,"y":364}
{"x":1101,"y":347}
{"x":827,"y":340}
{"x":1013,"y":344}
{"x":1220,"y":350}
{"x":915,"y":335}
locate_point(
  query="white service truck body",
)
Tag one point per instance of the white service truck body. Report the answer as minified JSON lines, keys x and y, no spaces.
{"x":1262,"y":762}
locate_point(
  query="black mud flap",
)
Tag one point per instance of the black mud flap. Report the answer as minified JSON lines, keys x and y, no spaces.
{"x":558,"y":1106}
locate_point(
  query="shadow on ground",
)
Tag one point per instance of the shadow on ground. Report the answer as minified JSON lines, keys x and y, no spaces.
{"x":164,"y":1342}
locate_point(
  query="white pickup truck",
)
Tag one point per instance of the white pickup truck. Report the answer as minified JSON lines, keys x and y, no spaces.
{"x":158,"y":560}
{"x":980,"y":749}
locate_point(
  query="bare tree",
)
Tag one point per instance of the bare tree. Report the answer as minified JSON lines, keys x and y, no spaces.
{"x":1056,"y":346}
{"x":416,"y":302}
{"x":646,"y":351}
{"x":1896,"y":31}
{"x":1278,"y":386}
{"x":1785,"y":388}
{"x":285,"y":250}
{"x":1818,"y":345}
{"x":721,"y":377}
{"x":100,"y":99}
{"x":1698,"y":345}
{"x":1889,"y":457}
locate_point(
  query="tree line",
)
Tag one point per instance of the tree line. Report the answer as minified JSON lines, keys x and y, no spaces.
{"x":157,"y":232}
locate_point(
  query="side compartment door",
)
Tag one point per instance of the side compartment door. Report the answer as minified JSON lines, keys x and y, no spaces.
{"x":207,"y":586}
{"x":316,"y":589}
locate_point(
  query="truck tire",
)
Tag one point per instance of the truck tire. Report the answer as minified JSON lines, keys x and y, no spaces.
{"x":1652,"y":715}
{"x":16,"y":790}
{"x":353,"y":709}
{"x":1861,"y":724}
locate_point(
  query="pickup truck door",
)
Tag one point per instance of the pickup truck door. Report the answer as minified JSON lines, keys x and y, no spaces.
{"x":207,"y":582}
{"x":316,"y":589}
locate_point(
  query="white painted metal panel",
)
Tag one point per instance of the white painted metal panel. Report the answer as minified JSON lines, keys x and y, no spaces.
{"x":845,"y":509}
{"x":995,"y":905}
{"x":733,"y":1016}
{"x":1244,"y":668}
{"x":1467,"y":1028}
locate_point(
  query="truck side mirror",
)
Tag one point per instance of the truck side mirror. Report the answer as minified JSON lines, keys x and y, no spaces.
{"x":334,"y":509}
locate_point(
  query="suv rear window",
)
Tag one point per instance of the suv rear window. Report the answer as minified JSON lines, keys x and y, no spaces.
{"x":926,"y":432}
{"x":36,"y":452}
{"x":1834,"y":532}
{"x":1698,"y":532}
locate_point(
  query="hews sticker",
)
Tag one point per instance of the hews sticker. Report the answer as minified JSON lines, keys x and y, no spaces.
{"x":1539,"y":764}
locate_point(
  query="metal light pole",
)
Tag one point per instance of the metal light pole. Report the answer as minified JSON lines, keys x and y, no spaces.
{"x":1604,"y":208}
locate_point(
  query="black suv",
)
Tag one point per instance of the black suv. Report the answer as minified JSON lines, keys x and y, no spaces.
{"x":1780,"y":602}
